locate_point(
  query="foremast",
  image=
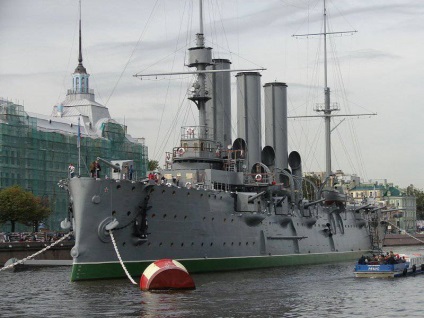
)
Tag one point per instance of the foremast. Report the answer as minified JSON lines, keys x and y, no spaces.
{"x":200,"y":57}
{"x":200,"y":142}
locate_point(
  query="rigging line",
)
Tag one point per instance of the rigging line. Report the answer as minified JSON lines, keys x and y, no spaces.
{"x":334,"y":4}
{"x":312,"y":151}
{"x":310,"y":8}
{"x":133,"y":51}
{"x":172,"y":126}
{"x":162,"y":59}
{"x":167,"y":90}
{"x":211,"y":43}
{"x":356,"y":144}
{"x":212,"y":33}
{"x":346,"y":152}
{"x":222,"y":26}
{"x":66,"y":76}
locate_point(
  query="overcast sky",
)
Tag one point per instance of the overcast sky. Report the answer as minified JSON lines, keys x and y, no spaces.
{"x":378,"y":69}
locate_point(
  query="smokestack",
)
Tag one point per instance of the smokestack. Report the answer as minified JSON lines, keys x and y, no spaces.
{"x":249,"y":114}
{"x":276,"y":121}
{"x":218,"y":109}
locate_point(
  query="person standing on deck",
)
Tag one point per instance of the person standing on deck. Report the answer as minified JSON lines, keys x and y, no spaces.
{"x":71,"y":170}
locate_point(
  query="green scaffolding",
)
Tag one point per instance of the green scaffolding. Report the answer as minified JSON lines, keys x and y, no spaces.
{"x":36,"y":160}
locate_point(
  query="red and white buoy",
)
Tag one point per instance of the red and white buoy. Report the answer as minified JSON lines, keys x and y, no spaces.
{"x":166,"y":274}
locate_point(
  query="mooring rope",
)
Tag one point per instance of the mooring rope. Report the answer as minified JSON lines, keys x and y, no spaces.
{"x":416,"y":238}
{"x":37,"y":253}
{"x":120,"y":259}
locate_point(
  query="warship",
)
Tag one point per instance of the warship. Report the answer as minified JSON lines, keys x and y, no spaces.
{"x":219,"y":204}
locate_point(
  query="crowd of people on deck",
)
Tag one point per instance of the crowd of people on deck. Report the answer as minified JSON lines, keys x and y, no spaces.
{"x":381,"y":259}
{"x":155,"y":176}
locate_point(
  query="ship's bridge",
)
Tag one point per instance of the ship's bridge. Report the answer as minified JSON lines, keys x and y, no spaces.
{"x":198,"y":142}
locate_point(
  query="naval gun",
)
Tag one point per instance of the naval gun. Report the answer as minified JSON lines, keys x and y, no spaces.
{"x":115,"y":166}
{"x":120,"y":169}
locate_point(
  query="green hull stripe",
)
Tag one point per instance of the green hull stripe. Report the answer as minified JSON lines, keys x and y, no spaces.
{"x":88,"y":271}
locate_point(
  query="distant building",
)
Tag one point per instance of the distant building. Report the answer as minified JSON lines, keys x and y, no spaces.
{"x":36,"y":150}
{"x":404,"y":214}
{"x":379,"y":194}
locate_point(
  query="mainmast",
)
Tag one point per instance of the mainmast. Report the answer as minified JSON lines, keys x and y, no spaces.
{"x":328,"y":108}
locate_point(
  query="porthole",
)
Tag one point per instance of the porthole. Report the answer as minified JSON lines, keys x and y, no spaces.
{"x":175,"y":216}
{"x":201,"y":244}
{"x":128,"y":213}
{"x":185,"y":217}
{"x":239,"y":243}
{"x":204,"y":218}
{"x":188,"y":193}
{"x":173,"y":192}
{"x":133,"y":188}
{"x":211,"y":244}
{"x":123,"y":244}
{"x":113,"y":213}
{"x":225,"y":220}
{"x":163,"y":191}
{"x":118,"y":186}
{"x":172,"y":244}
{"x":164,"y":216}
{"x":213,"y":219}
{"x":160,"y":244}
{"x":153,"y":215}
{"x":182,"y":244}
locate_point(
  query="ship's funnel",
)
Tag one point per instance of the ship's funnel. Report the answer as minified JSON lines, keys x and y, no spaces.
{"x":249,"y":114}
{"x":276,"y":121}
{"x":296,"y":165}
{"x":218,"y":109}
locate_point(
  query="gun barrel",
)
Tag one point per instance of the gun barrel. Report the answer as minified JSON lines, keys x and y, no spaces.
{"x":307,"y":205}
{"x":253,"y":197}
{"x":110,"y":164}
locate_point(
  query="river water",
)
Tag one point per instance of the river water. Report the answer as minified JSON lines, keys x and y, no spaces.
{"x":304,"y":291}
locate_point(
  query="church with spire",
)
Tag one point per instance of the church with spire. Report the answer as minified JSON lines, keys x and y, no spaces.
{"x":36,"y":149}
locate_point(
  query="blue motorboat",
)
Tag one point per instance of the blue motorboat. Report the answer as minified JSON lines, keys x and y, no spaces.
{"x":391,"y":266}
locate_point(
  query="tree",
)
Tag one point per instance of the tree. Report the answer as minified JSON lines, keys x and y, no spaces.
{"x":153,"y":164}
{"x":41,"y":212}
{"x":18,"y":205}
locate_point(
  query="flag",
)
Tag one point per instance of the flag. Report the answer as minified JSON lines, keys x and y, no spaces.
{"x":79,"y":134}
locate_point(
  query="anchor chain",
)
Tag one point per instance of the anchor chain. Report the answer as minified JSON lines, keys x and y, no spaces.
{"x":120,"y":259}
{"x":37,"y":253}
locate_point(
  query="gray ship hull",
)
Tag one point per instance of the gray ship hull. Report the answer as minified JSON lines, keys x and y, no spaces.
{"x":203,"y":229}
